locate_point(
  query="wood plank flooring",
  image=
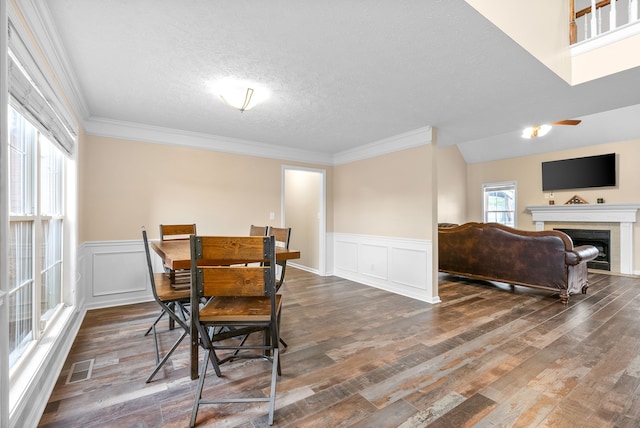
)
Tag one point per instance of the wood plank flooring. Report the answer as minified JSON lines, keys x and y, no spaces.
{"x":488,"y":355}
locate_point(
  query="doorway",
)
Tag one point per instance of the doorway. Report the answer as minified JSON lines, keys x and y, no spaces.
{"x":304,"y":210}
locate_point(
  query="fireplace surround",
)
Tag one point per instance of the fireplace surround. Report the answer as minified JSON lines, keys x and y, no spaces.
{"x":623,"y":215}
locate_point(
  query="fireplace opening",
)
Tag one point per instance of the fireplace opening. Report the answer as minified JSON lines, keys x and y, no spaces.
{"x":600,"y":239}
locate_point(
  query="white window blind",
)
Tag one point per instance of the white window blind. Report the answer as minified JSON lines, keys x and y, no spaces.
{"x":36,"y":99}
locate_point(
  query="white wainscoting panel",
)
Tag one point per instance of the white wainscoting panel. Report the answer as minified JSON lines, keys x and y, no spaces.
{"x":345,"y":256}
{"x":115,"y":273}
{"x":398,"y":265}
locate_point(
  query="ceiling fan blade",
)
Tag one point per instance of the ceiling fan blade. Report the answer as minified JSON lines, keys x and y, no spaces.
{"x":567,"y":122}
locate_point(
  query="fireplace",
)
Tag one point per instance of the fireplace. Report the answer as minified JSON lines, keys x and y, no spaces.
{"x":601,"y":239}
{"x":623,"y":216}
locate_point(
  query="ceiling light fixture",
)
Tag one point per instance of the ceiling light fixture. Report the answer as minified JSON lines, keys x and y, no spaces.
{"x":536,"y":131}
{"x":241,"y":95}
{"x":235,"y":100}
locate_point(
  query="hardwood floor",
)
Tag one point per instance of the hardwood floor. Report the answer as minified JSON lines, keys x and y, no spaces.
{"x":361,"y":357}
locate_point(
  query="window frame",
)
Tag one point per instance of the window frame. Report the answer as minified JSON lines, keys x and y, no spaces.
{"x":33,"y":169}
{"x":497,"y":186}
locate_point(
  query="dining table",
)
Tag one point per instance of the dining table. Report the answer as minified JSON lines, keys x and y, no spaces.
{"x":176,"y":256}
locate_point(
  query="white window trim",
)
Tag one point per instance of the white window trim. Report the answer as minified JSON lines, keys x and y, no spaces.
{"x":497,"y":185}
{"x":33,"y":382}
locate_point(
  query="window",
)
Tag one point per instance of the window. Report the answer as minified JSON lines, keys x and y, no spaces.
{"x":500,"y":203}
{"x":36,"y":183}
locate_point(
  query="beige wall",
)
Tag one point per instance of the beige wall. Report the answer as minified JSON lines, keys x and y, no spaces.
{"x":541,"y":27}
{"x":527,"y":172}
{"x":388,"y":195}
{"x":127,"y":184}
{"x":452,"y":185}
{"x":302,"y":208}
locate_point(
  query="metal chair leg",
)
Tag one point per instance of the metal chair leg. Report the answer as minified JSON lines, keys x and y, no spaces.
{"x":196,"y":402}
{"x":159,"y":364}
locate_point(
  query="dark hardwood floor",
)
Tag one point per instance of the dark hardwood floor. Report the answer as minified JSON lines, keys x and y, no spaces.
{"x":361,"y":357}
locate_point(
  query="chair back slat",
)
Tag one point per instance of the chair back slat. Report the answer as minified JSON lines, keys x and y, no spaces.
{"x":229,"y":250}
{"x":233,"y":281}
{"x":176,"y":231}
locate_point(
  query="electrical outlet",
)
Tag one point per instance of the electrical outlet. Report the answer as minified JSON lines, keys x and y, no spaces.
{"x":272,"y":216}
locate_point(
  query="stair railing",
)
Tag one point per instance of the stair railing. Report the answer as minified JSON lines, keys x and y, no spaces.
{"x":589,"y":22}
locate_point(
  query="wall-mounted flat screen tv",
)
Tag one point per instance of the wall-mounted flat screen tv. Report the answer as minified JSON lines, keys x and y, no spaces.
{"x":579,"y":173}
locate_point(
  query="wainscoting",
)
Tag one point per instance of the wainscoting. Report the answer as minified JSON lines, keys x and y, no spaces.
{"x":401,"y":266}
{"x":114,"y":273}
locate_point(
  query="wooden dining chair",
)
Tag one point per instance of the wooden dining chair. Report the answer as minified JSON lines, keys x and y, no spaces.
{"x":174,"y":232}
{"x":173,"y":303}
{"x":282,"y":236}
{"x":239,"y":297}
{"x":258,"y":230}
{"x":170,"y":232}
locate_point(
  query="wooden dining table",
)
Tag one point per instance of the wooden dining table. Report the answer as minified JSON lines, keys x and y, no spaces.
{"x":176,"y":255}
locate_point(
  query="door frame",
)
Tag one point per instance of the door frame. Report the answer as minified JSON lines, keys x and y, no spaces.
{"x":322,"y":220}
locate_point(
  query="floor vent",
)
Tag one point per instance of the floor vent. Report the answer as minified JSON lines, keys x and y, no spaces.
{"x":80,"y":371}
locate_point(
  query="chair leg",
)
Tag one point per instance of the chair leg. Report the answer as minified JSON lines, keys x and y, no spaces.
{"x":281,"y":339}
{"x":204,"y":337}
{"x":155,"y":344}
{"x":275,"y":372}
{"x":159,"y":364}
{"x":156,"y":321}
{"x":196,"y":402}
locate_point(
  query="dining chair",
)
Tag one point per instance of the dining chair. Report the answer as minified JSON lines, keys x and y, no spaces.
{"x":239,"y":297}
{"x":173,"y":303}
{"x":258,"y":230}
{"x":170,"y":232}
{"x":282,"y":236}
{"x":175,"y":232}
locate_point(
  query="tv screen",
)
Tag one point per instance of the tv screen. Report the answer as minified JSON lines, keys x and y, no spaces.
{"x":579,"y":173}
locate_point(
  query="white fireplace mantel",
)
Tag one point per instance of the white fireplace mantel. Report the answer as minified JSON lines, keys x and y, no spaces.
{"x":624,"y":214}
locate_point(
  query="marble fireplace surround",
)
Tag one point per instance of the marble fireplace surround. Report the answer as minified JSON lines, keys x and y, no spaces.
{"x":623,"y":215}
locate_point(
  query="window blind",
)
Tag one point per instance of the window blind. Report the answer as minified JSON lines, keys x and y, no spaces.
{"x":33,"y":96}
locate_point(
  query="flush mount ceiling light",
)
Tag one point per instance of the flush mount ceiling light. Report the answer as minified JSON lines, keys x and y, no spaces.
{"x":536,"y":131}
{"x":241,"y":95}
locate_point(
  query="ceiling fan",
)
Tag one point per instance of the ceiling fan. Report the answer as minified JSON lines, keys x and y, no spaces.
{"x":541,"y":130}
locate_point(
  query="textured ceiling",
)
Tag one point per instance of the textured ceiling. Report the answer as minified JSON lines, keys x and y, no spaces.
{"x":343,"y":74}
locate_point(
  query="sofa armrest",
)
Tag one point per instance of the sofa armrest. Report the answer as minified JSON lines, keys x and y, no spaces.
{"x":582,"y":253}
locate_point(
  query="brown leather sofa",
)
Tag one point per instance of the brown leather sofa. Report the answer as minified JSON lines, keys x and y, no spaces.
{"x":493,"y":252}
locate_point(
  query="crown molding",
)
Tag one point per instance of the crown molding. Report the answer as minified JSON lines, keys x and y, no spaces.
{"x":174,"y":137}
{"x":396,"y":143}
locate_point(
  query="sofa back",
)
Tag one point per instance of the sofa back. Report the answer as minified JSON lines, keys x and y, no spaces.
{"x":494,"y":251}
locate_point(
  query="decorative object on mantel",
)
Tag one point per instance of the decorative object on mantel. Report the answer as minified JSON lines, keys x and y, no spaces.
{"x":575,"y":199}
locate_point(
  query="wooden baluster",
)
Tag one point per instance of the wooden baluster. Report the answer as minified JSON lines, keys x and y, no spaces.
{"x":573,"y":27}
